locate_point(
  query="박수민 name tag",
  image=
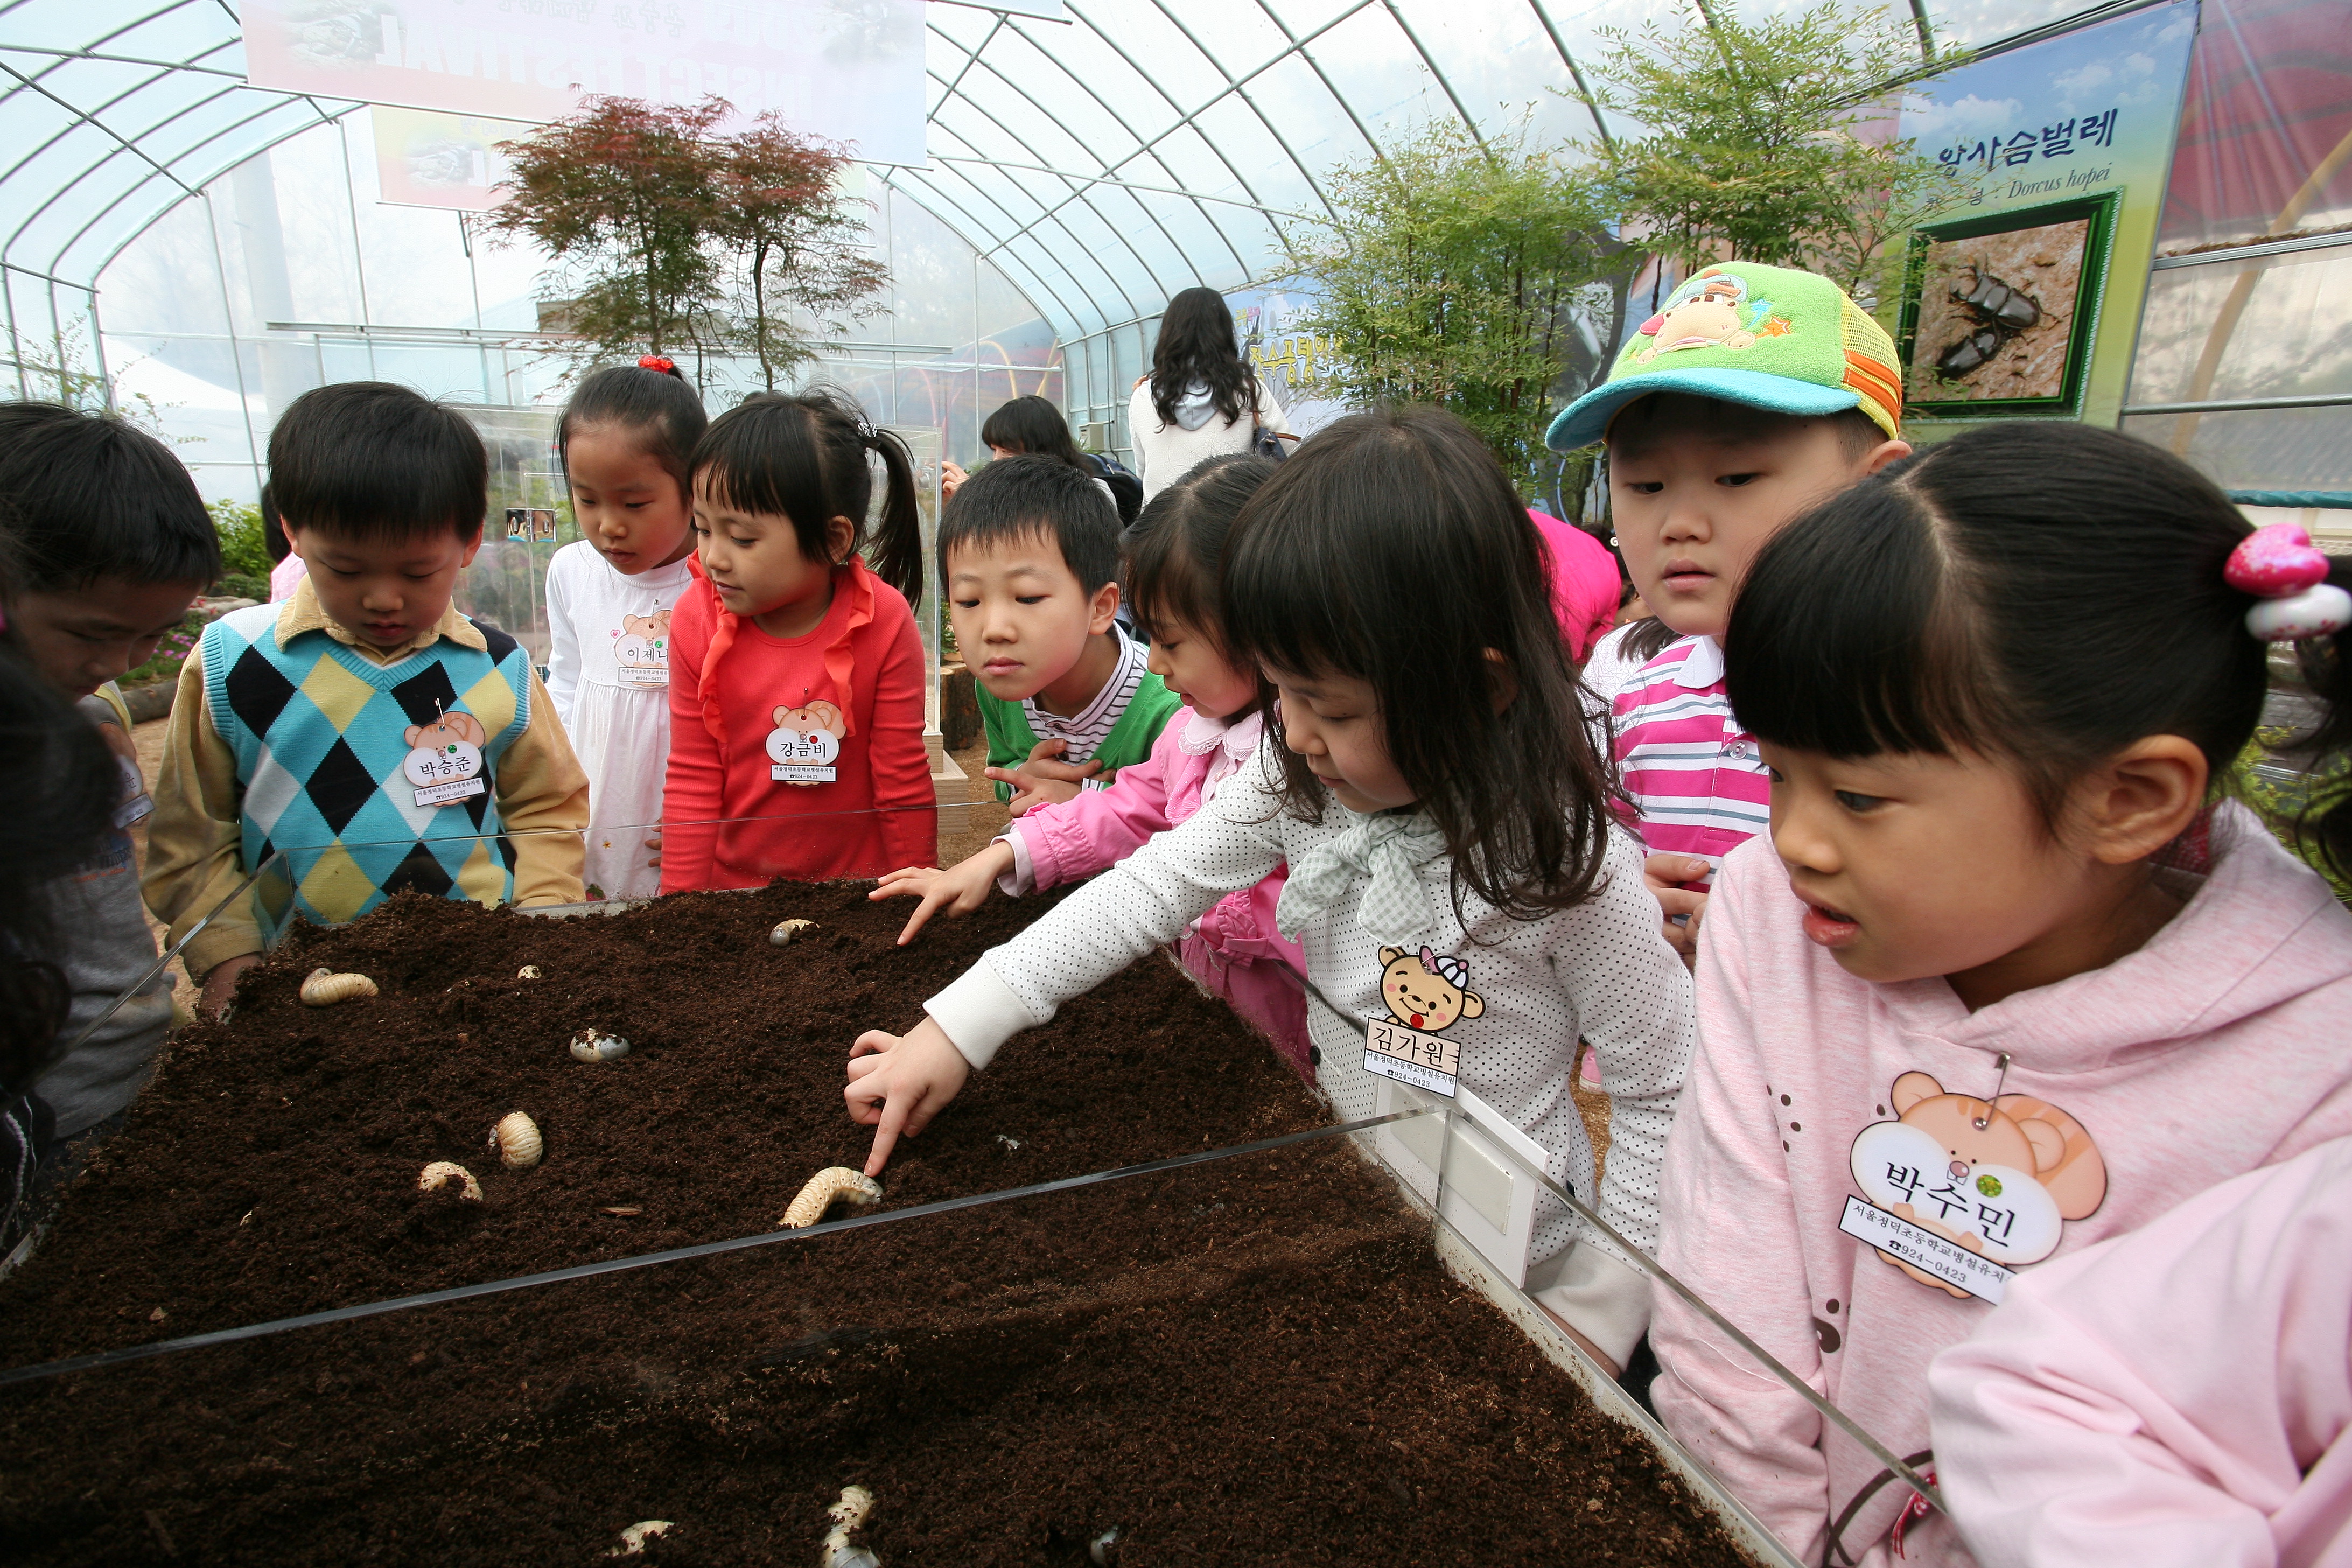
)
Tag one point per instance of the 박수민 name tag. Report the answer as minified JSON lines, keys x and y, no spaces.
{"x":1959,"y":1267}
{"x":1408,"y":1056}
{"x":455,"y":789}
{"x":801,"y":773}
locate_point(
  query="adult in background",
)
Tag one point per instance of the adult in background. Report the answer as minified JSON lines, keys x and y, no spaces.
{"x":1202,"y":399}
{"x":1032,"y":426}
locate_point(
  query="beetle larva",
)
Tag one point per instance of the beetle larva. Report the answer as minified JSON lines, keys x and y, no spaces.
{"x":834,"y":1184}
{"x":324,"y":988}
{"x":441,"y":1173}
{"x":516,"y":1141}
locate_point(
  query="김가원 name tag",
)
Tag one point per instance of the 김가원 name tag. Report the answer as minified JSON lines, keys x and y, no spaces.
{"x":1408,"y":1056}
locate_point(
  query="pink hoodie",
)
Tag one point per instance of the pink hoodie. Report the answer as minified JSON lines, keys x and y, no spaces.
{"x":1819,"y":1106}
{"x":2080,"y":1426}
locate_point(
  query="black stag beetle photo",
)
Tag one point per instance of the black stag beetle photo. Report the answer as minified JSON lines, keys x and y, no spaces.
{"x":2004,"y":312}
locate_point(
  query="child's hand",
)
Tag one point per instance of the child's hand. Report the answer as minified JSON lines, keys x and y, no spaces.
{"x":220,"y":983}
{"x":897,"y":1085}
{"x":952,"y":474}
{"x":1045,"y":779}
{"x":1662,"y":875}
{"x":653,"y":850}
{"x":960,"y":890}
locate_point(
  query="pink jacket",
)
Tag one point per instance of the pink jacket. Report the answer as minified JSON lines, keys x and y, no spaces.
{"x":1194,"y":755}
{"x":1820,"y":1109}
{"x":2080,"y":1425}
{"x":1584,"y":581}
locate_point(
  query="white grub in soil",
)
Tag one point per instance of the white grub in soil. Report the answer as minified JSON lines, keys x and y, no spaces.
{"x":834,"y":1184}
{"x":789,"y":932}
{"x":516,"y":1141}
{"x":441,"y":1173}
{"x":1010,"y":1143}
{"x":323,"y":987}
{"x":848,"y":1514}
{"x":634,"y":1539}
{"x":1103,"y":1550}
{"x":596,"y":1046}
{"x":528,"y":971}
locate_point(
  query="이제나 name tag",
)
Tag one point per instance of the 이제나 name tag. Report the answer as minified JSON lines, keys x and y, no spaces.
{"x":455,"y":789}
{"x":1408,"y":1056}
{"x":1960,"y":1266}
{"x":801,"y":773}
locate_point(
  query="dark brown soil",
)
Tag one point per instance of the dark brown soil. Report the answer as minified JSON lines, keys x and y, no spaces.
{"x":1257,"y":1359}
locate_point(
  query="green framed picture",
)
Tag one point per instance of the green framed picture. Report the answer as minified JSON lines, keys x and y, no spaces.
{"x":1999,"y":311}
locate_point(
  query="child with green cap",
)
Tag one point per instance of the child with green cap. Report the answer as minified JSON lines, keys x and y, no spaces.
{"x":1754,"y":393}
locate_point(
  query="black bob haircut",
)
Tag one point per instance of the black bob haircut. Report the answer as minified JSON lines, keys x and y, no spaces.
{"x":370,"y":461}
{"x":657,"y":407}
{"x":2044,"y":593}
{"x":804,"y":458}
{"x":1176,"y":549}
{"x":90,"y":498}
{"x":1032,"y":425}
{"x":1392,"y":550}
{"x":1016,"y":499}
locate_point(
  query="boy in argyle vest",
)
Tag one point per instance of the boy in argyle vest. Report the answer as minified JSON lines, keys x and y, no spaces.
{"x":364,"y":731}
{"x":1029,"y":555}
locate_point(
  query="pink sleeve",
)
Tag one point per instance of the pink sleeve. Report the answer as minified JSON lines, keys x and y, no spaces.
{"x":901,"y":764}
{"x":2177,"y":1395}
{"x":694,"y":789}
{"x":1729,"y":1231}
{"x":1076,"y":838}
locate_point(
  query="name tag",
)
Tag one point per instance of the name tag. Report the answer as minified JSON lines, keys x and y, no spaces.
{"x":645,"y":677}
{"x":455,"y":789}
{"x":801,"y":772}
{"x":1408,"y":1056}
{"x":1925,"y":1251}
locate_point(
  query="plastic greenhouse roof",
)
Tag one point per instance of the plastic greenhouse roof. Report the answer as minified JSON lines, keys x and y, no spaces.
{"x":1103,"y":163}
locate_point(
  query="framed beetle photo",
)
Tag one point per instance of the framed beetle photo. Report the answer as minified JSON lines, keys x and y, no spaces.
{"x":1999,"y":311}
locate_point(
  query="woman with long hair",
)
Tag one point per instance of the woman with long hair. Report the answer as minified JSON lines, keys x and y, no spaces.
{"x":1202,"y":399}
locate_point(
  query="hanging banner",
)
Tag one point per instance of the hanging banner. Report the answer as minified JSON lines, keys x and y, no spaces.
{"x":1271,"y":324}
{"x":426,"y":158}
{"x":2026,"y":302}
{"x":848,"y":70}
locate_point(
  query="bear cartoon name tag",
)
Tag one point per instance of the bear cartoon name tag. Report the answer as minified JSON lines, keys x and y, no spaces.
{"x":641,"y":651}
{"x":802,"y":747}
{"x":1426,"y":993}
{"x":444,"y":759}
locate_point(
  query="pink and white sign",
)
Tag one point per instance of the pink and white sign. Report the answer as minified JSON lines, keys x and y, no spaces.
{"x":850,"y":70}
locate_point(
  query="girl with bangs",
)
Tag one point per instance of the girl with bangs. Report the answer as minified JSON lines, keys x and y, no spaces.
{"x":2005,"y":978}
{"x":1452,"y":874}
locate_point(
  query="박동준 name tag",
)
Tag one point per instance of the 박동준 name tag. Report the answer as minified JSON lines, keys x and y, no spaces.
{"x":1408,"y":1056}
{"x":455,"y":789}
{"x":1959,"y":1267}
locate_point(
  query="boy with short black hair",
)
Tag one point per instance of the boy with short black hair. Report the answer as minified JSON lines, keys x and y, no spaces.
{"x":1754,"y":394}
{"x":112,"y":545}
{"x":1029,"y":560}
{"x":376,"y":736}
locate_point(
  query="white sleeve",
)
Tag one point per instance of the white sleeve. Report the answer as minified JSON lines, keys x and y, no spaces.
{"x":562,"y":639}
{"x":1145,"y":901}
{"x":1269,"y":408}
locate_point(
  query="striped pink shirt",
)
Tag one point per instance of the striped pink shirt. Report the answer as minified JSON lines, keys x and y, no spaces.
{"x":1692,"y":775}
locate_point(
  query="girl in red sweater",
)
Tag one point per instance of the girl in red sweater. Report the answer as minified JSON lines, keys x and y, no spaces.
{"x":796,"y":675}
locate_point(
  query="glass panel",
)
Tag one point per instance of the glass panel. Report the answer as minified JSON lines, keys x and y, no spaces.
{"x":2263,"y":449}
{"x":2268,"y":103}
{"x":2272,"y":326}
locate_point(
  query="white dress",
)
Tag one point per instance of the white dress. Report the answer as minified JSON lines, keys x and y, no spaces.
{"x":608,"y":671}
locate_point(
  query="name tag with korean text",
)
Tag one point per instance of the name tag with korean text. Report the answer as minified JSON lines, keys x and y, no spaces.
{"x":1923,"y":1249}
{"x":801,"y":772}
{"x":455,"y":789}
{"x":1425,"y":1061}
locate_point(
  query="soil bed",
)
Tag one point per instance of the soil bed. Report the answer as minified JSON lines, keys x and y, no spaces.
{"x":1257,"y":1359}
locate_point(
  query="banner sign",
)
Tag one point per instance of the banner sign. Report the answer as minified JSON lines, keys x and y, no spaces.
{"x":1271,"y":325}
{"x":2027,"y":302}
{"x":426,"y":158}
{"x":848,"y":70}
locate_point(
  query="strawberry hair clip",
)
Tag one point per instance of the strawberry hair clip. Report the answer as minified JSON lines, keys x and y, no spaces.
{"x":656,"y":362}
{"x":2280,"y":565}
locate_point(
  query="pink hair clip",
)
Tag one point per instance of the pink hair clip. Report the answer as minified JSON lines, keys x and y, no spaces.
{"x":2279,"y":565}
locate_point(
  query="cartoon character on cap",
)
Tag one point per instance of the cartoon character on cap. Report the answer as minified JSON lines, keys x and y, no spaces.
{"x":1709,"y":311}
{"x":1425,"y":990}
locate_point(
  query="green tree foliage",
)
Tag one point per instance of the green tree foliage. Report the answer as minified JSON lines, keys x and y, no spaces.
{"x":795,"y":246}
{"x":1449,"y":274}
{"x":624,"y":189}
{"x":244,"y":551}
{"x":1768,"y":140}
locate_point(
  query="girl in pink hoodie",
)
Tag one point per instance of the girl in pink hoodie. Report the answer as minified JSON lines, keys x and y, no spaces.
{"x":1173,"y":555}
{"x":2002,"y":981}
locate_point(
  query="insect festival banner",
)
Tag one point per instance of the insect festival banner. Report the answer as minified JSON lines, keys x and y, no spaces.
{"x":2027,"y":302}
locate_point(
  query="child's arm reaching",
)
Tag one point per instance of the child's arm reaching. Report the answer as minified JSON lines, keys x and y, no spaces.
{"x":1729,"y":1231}
{"x":563,"y":661}
{"x":897,"y":1085}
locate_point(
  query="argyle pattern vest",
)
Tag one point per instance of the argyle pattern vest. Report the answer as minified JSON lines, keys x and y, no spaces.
{"x":323,"y":749}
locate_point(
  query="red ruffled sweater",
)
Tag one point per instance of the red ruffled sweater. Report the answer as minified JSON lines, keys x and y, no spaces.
{"x":845,"y":701}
